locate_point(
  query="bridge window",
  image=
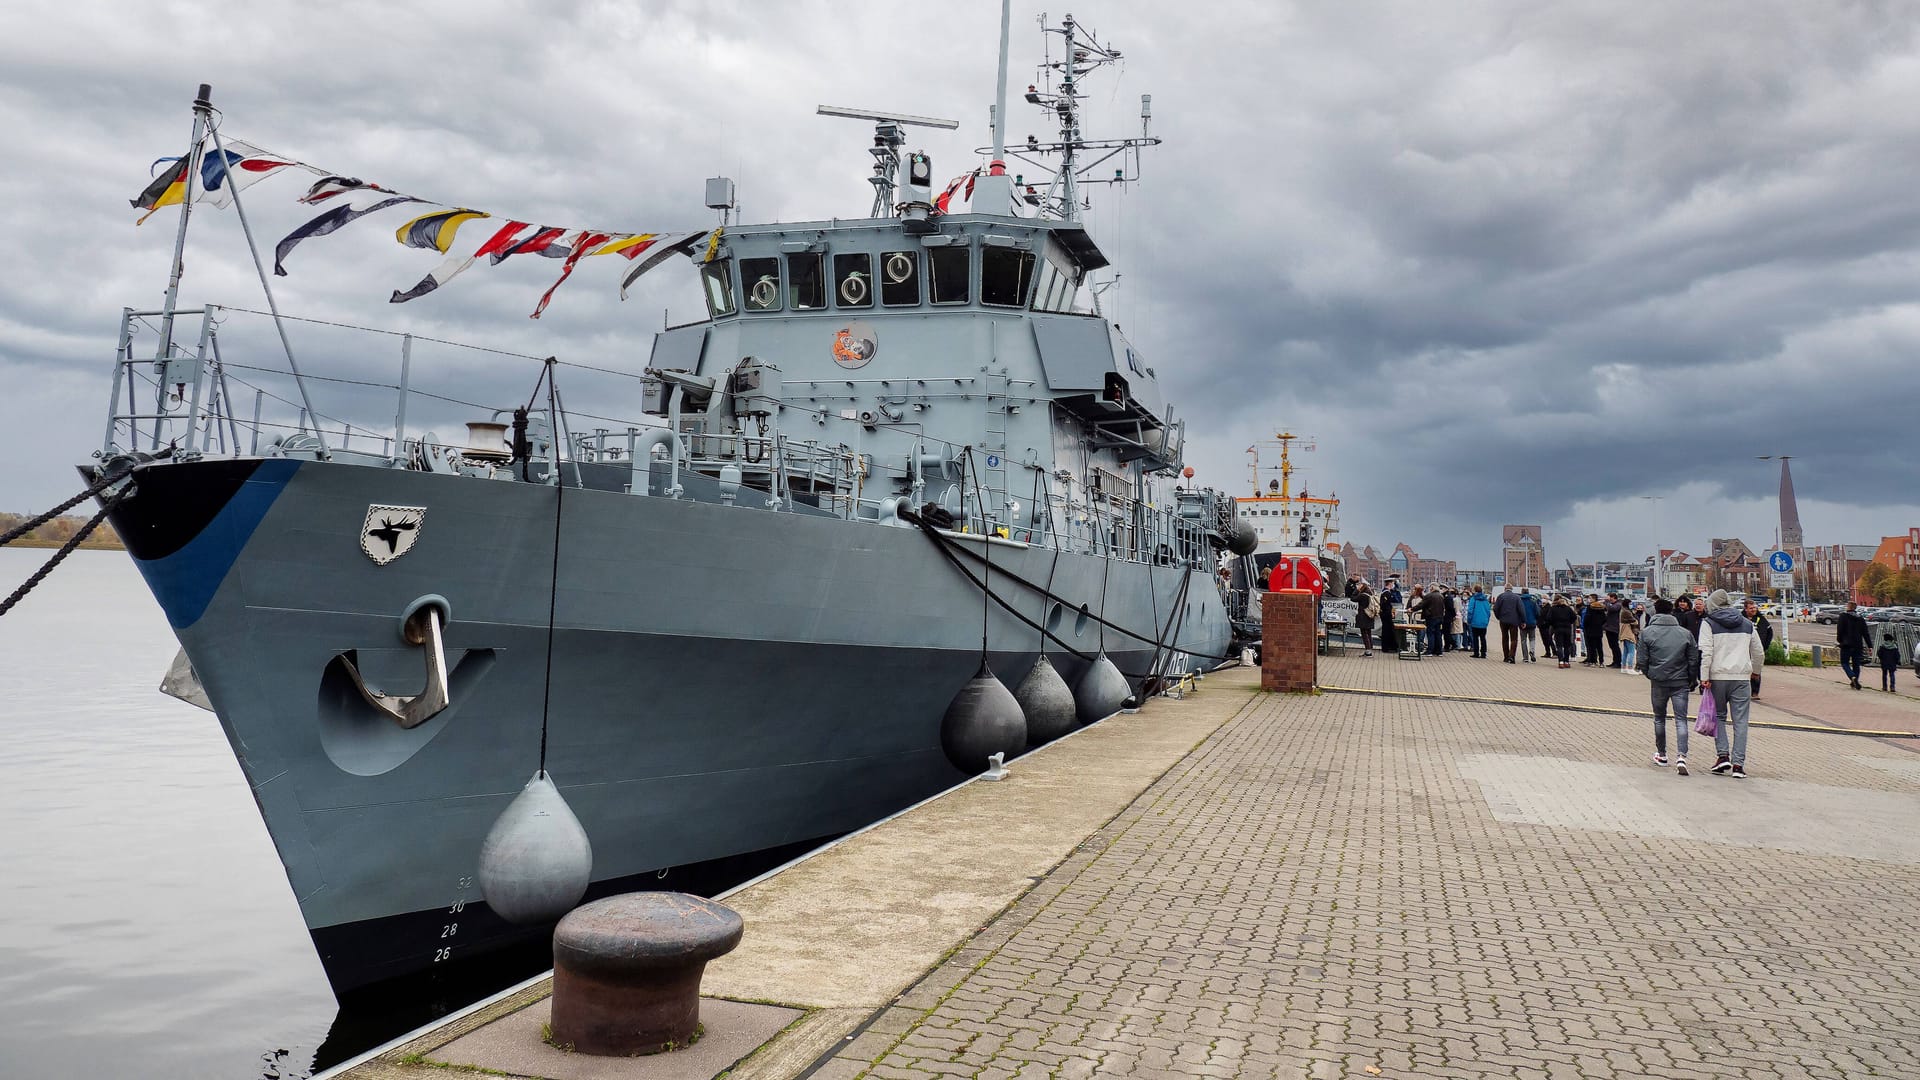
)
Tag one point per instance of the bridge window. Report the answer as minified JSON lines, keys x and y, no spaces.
{"x":853,"y":280}
{"x":1004,"y":276}
{"x":807,"y":288}
{"x":952,"y":271}
{"x":1057,"y":288}
{"x":900,"y":278}
{"x":760,"y":280}
{"x":717,"y":276}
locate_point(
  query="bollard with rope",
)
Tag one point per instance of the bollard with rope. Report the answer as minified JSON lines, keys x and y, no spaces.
{"x":108,"y":478}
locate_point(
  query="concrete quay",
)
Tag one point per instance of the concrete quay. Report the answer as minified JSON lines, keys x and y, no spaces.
{"x":1388,"y":881}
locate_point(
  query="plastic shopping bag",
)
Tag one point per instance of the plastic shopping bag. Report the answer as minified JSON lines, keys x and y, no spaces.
{"x":1706,"y":724}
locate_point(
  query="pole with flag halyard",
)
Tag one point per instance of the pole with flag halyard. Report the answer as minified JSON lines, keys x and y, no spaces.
{"x":202,"y":112}
{"x":233,"y":189}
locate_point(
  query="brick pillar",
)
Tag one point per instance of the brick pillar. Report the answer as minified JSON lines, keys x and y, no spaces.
{"x":1289,"y":654}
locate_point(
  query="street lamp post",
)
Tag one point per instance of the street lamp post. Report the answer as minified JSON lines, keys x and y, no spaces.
{"x":1659,"y":561}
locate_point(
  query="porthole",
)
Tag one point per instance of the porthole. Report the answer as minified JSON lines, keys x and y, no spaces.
{"x":1081,"y":620}
{"x":1054,"y":615}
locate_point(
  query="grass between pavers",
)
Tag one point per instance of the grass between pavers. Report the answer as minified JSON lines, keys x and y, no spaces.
{"x":422,"y":1061}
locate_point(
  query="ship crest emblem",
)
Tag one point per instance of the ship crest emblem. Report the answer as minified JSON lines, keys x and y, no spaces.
{"x":854,"y":344}
{"x":390,"y":531}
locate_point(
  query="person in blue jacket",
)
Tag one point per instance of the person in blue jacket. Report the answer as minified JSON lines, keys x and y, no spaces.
{"x":1479,"y":614}
{"x":1530,"y":613}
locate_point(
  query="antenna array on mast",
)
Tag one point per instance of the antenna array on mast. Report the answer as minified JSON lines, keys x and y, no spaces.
{"x":1059,"y":90}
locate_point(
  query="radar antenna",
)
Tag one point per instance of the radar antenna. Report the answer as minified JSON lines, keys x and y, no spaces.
{"x":1082,"y":54}
{"x":888,"y":138}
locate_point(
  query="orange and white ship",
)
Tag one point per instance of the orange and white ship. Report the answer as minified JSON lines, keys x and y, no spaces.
{"x":1289,"y":524}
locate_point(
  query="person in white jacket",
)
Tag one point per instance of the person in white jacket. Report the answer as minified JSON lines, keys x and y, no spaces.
{"x":1730,"y":651}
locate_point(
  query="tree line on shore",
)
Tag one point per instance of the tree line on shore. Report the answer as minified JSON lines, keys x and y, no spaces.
{"x":57,"y":532}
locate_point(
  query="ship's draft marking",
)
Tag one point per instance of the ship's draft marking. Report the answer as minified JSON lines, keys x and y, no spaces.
{"x":390,"y":531}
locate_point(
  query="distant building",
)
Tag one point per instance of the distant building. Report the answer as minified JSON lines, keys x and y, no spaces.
{"x":1602,"y":577}
{"x":1523,"y":554}
{"x":1411,"y":567}
{"x":1679,"y":573}
{"x":1833,"y":569}
{"x":1366,"y":564}
{"x":1735,"y":568}
{"x":1899,"y":552}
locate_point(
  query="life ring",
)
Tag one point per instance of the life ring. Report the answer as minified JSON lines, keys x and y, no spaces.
{"x":853,"y":288}
{"x":899,"y":267}
{"x":764,"y":292}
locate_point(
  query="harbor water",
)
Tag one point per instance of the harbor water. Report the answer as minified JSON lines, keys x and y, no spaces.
{"x":146,"y":926}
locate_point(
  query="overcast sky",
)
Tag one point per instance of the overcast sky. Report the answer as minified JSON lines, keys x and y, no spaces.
{"x":1506,"y":261}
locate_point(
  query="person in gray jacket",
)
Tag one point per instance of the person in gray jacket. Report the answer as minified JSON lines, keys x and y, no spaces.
{"x":1730,"y":653}
{"x":1669,"y":657}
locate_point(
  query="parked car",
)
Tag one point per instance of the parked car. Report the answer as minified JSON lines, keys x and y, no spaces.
{"x":1828,"y":613}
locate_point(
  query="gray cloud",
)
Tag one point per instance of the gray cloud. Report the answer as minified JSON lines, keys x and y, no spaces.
{"x":1507,"y":262}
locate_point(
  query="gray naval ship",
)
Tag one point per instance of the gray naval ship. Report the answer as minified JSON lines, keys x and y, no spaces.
{"x":898,"y":446}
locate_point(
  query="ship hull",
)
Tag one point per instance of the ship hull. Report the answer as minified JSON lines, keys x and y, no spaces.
{"x":708,"y":685}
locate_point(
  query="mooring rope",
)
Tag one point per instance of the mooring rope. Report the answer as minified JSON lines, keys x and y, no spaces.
{"x":108,"y":478}
{"x":66,"y":549}
{"x":907,"y":515}
{"x":946,"y":547}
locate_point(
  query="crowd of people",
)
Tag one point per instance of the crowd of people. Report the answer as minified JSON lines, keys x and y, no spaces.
{"x":1680,"y":646}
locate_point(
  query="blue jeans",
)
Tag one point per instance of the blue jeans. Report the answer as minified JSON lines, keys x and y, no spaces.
{"x":1436,"y":636}
{"x":1626,"y":653}
{"x":1732,"y":697}
{"x":1851,"y":657}
{"x":1676,"y":695}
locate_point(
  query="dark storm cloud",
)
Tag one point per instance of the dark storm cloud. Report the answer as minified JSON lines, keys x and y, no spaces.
{"x":1507,"y":261}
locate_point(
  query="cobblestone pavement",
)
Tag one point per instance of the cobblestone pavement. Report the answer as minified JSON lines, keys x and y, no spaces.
{"x":1360,"y":886}
{"x":1788,"y":695}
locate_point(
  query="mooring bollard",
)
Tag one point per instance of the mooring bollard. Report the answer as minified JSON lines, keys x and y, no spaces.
{"x":1289,"y":657}
{"x":626,"y":971}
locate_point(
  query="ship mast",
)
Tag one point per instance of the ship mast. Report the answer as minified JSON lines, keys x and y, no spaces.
{"x":1079,"y":156}
{"x":1286,"y":464}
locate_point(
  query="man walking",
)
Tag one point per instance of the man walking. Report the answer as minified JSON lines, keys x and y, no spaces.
{"x":1530,"y":616}
{"x":1851,"y":634}
{"x":1508,"y":612}
{"x":1669,"y":657}
{"x":1730,"y":653}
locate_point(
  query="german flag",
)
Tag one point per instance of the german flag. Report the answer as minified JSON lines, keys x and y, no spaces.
{"x":169,"y":188}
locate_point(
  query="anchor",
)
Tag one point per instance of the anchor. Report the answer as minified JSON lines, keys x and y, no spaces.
{"x":421,"y":628}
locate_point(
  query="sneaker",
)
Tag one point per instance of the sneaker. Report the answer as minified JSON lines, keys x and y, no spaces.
{"x":1660,"y":760}
{"x":1739,"y":772}
{"x":1721,"y":765}
{"x":1681,"y":765}
{"x":1365,"y":654}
